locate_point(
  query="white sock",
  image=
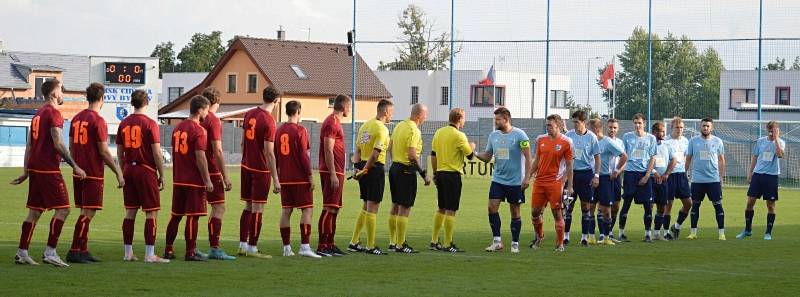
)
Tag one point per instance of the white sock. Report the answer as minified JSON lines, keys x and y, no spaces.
{"x":128,"y":249}
{"x":722,"y":231}
{"x":149,"y":250}
{"x":677,"y":226}
{"x":287,"y":247}
{"x":621,"y":232}
{"x":584,"y":237}
{"x":694,"y":230}
{"x":305,"y":247}
{"x":242,"y":245}
{"x":48,"y":251}
{"x":252,"y":249}
{"x":648,"y":233}
{"x":566,"y":235}
{"x":497,"y":239}
{"x":22,"y":253}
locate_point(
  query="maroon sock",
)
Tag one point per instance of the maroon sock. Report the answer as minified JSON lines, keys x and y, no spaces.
{"x":214,"y":227}
{"x":332,"y":228}
{"x":77,"y":234}
{"x":127,"y":231}
{"x":85,"y":235}
{"x":150,"y":227}
{"x":191,"y":235}
{"x":322,"y":230}
{"x":26,"y":235}
{"x":244,"y":225}
{"x":255,"y":228}
{"x":172,"y":229}
{"x":55,"y":232}
{"x":305,"y":233}
{"x":286,"y":235}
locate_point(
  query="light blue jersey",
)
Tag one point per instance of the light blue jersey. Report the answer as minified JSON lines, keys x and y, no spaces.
{"x":639,"y":150}
{"x":767,"y":162}
{"x":705,"y":158}
{"x":584,"y":148}
{"x":664,"y":155}
{"x":679,"y":147}
{"x":610,"y":150}
{"x":507,"y":150}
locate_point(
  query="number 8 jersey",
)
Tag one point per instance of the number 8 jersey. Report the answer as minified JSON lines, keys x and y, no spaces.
{"x":291,"y":154}
{"x":136,"y":134}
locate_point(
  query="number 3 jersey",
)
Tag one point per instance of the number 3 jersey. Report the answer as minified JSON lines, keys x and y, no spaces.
{"x":136,"y":134}
{"x":87,"y":129}
{"x":187,"y":138}
{"x":259,"y":126}
{"x":291,"y":154}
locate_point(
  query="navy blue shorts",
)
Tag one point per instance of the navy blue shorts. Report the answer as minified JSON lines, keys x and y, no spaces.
{"x":678,"y":184}
{"x":609,"y":191}
{"x":763,"y":186}
{"x":510,"y":194}
{"x":712,"y":190}
{"x":660,"y":192}
{"x":582,"y":185}
{"x":639,"y":194}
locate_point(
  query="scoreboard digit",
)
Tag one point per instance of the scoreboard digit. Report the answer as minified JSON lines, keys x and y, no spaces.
{"x":125,"y":73}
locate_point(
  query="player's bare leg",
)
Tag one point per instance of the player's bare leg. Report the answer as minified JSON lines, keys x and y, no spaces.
{"x":28,"y":226}
{"x":559,"y":226}
{"x":494,"y":223}
{"x":214,"y":230}
{"x":538,"y":227}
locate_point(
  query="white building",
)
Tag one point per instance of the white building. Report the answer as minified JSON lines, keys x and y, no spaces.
{"x":174,"y":84}
{"x":522,"y":93}
{"x":738,"y":99}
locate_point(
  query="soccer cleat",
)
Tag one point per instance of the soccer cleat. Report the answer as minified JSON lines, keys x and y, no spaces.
{"x":744,"y":234}
{"x":692,"y":236}
{"x":668,"y":237}
{"x":664,"y":238}
{"x":76,"y":257}
{"x":656,"y":235}
{"x":624,"y":238}
{"x":155,"y":259}
{"x":767,"y":236}
{"x":515,"y":248}
{"x":130,"y":258}
{"x":89,"y":257}
{"x":406,"y":249}
{"x":257,"y":254}
{"x":435,"y":246}
{"x":536,"y":242}
{"x":676,"y":233}
{"x":356,"y":247}
{"x":308,"y":253}
{"x":608,"y":241}
{"x":376,"y":251}
{"x":584,"y":242}
{"x":287,"y":251}
{"x":566,"y":242}
{"x":647,"y":239}
{"x":591,"y":240}
{"x":169,"y":255}
{"x":54,"y":260}
{"x":392,"y":247}
{"x":559,"y":249}
{"x":195,"y":258}
{"x":219,"y":254}
{"x":336,"y":252}
{"x":242,"y":252}
{"x":721,"y":237}
{"x":198,"y":252}
{"x":324,"y":252}
{"x":495,"y":247}
{"x":614,"y":239}
{"x":452,"y":249}
{"x":24,"y":260}
{"x":601,"y":238}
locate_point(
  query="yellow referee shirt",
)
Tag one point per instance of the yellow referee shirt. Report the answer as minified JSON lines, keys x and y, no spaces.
{"x":405,"y":135}
{"x":373,"y":135}
{"x":450,"y":146}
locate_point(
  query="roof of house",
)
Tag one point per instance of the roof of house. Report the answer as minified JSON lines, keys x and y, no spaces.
{"x":327,"y":68}
{"x":15,"y":67}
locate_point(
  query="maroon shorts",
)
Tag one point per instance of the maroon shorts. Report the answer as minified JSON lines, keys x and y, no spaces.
{"x":189,"y":201}
{"x":218,"y":196}
{"x":331,"y":197}
{"x":296,"y":196}
{"x":47,"y":191}
{"x":88,"y":192}
{"x":141,"y":188}
{"x":255,"y":185}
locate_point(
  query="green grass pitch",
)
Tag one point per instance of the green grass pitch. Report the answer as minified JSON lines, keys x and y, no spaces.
{"x":703,"y":267}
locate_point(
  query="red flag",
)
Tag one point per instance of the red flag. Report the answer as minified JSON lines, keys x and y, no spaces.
{"x":607,"y":77}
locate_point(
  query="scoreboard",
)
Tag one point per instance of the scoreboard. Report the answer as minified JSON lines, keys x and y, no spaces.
{"x":125,"y":73}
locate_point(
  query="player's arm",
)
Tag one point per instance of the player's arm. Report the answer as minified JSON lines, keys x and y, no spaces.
{"x":202,"y":165}
{"x":55,"y":133}
{"x":121,"y":156}
{"x":596,"y":177}
{"x":670,"y":167}
{"x":526,"y":179}
{"x":327,"y":146}
{"x":535,"y":166}
{"x":219,"y":157}
{"x":753,"y":161}
{"x":721,"y":168}
{"x":105,"y":153}
{"x":159,"y":159}
{"x":623,"y":159}
{"x":24,"y":175}
{"x":649,"y":170}
{"x":269,"y":153}
{"x":569,"y":165}
{"x":412,"y":157}
{"x":778,"y":148}
{"x":688,"y":163}
{"x":434,"y":166}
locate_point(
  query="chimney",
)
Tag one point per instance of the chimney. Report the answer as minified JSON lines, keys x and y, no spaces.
{"x":281,"y":33}
{"x":2,"y":47}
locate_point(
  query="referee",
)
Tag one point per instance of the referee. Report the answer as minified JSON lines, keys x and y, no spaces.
{"x":448,"y":150}
{"x":406,"y":147}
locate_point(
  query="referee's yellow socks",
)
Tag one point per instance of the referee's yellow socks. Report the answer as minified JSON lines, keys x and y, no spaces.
{"x":370,"y":219}
{"x":402,"y":227}
{"x":449,"y":226}
{"x":359,"y":225}
{"x":438,"y":220}
{"x":393,"y":229}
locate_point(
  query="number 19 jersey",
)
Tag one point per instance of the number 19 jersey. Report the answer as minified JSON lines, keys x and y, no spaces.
{"x":136,"y":134}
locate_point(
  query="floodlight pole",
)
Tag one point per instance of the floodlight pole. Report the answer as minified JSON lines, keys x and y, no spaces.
{"x":452,"y":54}
{"x":760,"y":23}
{"x":649,"y":61}
{"x":547,"y":66}
{"x":353,"y":84}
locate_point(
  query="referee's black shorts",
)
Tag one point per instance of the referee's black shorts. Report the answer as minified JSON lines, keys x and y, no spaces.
{"x":372,"y":183}
{"x":448,"y":190}
{"x":403,"y":184}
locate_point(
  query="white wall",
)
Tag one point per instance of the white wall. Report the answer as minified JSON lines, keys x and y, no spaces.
{"x":185,"y":80}
{"x":748,"y":79}
{"x":118,"y":96}
{"x":13,"y":156}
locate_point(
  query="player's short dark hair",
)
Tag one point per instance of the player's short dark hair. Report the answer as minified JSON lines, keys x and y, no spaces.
{"x":270,"y":94}
{"x":580,"y":115}
{"x":49,"y":86}
{"x":339,"y":101}
{"x":198,"y":102}
{"x":707,"y":119}
{"x":212,"y":94}
{"x":139,"y":99}
{"x":95,"y":92}
{"x":638,"y":116}
{"x":292,"y":107}
{"x":384,"y":104}
{"x":657,"y":126}
{"x":503,"y":112}
{"x":555,"y":117}
{"x":772,"y":124}
{"x":612,"y":120}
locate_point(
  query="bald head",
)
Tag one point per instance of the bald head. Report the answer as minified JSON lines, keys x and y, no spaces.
{"x":419,"y":113}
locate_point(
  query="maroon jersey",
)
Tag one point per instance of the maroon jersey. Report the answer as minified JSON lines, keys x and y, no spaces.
{"x":136,"y":134}
{"x":88,"y":128}
{"x":291,"y":154}
{"x":259,"y":126}
{"x":44,"y":157}
{"x":331,"y":128}
{"x":187,"y":138}
{"x":213,"y":127}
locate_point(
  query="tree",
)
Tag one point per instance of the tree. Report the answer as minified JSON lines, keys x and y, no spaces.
{"x":422,"y":48}
{"x":202,"y":52}
{"x":685,"y":81}
{"x":780,"y":64}
{"x":569,"y":103}
{"x":166,"y":57}
{"x":796,"y":64}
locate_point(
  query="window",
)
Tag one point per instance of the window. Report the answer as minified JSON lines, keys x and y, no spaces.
{"x":782,"y":95}
{"x":414,"y":94}
{"x":231,"y":83}
{"x":739,"y":96}
{"x":445,"y":96}
{"x":39,"y":81}
{"x":299,"y":72}
{"x":174,"y":92}
{"x":482,"y":95}
{"x":13,"y":136}
{"x":331,"y":100}
{"x":252,"y":83}
{"x":558,"y":98}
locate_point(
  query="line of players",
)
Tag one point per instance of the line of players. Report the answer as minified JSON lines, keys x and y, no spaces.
{"x":650,"y":164}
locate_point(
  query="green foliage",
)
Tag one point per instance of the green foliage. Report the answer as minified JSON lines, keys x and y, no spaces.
{"x":166,"y":57}
{"x":202,"y":52}
{"x":422,"y":48}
